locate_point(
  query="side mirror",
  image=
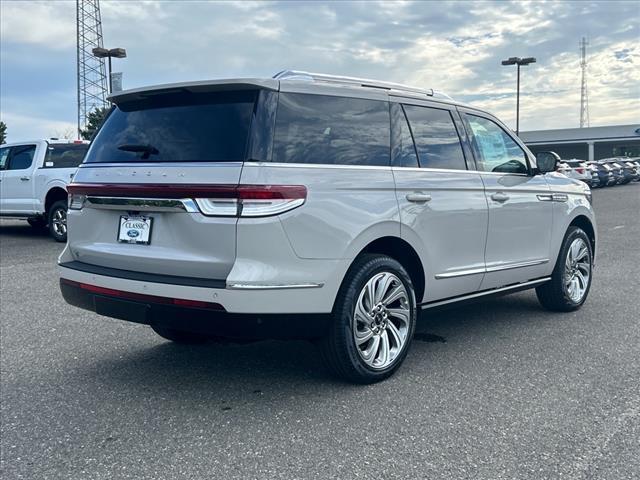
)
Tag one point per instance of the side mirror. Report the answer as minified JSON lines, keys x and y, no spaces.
{"x":547,"y":161}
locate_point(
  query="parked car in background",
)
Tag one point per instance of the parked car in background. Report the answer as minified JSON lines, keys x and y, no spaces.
{"x":575,"y":168}
{"x":616,"y":170}
{"x":601,"y":175}
{"x":632,"y":168}
{"x":636,"y":161}
{"x":311,"y":205}
{"x":34,"y":177}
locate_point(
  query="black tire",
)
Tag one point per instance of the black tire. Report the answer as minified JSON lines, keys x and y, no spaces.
{"x":554,"y":295}
{"x":338,"y":346}
{"x":37,"y":223}
{"x":58,"y":232}
{"x":179,"y":336}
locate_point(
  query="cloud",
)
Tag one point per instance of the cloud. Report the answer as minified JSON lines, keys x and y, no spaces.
{"x":451,"y":46}
{"x":46,"y":25}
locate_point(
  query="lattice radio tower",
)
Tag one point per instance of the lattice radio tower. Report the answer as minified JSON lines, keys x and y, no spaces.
{"x":92,"y":79}
{"x":584,"y":96}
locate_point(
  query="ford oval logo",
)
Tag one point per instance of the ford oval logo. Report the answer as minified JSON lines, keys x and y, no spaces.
{"x":133,"y":233}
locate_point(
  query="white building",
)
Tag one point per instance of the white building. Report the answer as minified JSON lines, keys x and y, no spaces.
{"x":591,"y":143}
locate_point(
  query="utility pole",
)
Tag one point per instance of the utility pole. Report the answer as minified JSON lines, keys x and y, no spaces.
{"x":584,"y":96}
{"x":92,"y":78}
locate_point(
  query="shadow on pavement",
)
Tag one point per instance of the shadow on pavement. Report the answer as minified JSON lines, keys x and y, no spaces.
{"x":261,"y":365}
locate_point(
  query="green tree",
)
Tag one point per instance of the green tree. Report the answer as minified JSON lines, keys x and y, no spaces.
{"x":94,"y":120}
{"x":3,"y":133}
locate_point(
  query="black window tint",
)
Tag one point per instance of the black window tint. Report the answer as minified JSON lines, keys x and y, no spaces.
{"x":436,"y":138}
{"x":4,"y":156}
{"x":65,"y":155}
{"x":331,"y":130}
{"x":496,"y":151}
{"x":22,"y":157}
{"x":403,"y":152}
{"x":176,"y":127}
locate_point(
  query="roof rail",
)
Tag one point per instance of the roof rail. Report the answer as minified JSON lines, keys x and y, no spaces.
{"x":361,"y":82}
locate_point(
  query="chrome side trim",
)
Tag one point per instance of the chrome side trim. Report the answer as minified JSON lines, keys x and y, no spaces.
{"x":494,"y":268}
{"x":545,"y":197}
{"x":510,"y":266}
{"x":518,"y":286}
{"x":560,"y":197}
{"x":460,"y":273}
{"x":244,"y":286}
{"x":142,"y":204}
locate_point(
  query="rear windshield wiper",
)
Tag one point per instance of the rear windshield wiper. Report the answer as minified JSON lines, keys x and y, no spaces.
{"x":146,"y":150}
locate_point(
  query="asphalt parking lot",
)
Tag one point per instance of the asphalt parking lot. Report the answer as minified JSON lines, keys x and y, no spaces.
{"x":497,"y":389}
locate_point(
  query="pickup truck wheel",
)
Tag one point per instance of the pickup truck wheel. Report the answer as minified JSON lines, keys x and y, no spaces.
{"x":373,"y":321}
{"x":571,"y":278}
{"x":37,"y":223}
{"x":58,"y":221}
{"x":179,"y":336}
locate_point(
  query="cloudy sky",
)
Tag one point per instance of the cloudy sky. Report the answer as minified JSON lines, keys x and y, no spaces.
{"x":455,"y":47}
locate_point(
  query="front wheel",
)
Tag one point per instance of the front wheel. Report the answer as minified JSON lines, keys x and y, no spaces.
{"x":373,"y":322}
{"x":58,"y":221}
{"x":571,"y":278}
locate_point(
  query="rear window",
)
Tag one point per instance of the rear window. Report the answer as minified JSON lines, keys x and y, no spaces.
{"x":322,"y":129}
{"x":436,"y":138}
{"x":65,"y":155}
{"x":177,"y":127}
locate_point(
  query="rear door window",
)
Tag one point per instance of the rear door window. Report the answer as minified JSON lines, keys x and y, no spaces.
{"x":436,"y":138}
{"x":65,"y":155}
{"x":403,"y":151}
{"x":177,"y":127}
{"x":21,"y":157}
{"x":322,"y":129}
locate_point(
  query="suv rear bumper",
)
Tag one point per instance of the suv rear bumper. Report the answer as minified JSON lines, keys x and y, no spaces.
{"x":236,"y":298}
{"x":211,"y":319}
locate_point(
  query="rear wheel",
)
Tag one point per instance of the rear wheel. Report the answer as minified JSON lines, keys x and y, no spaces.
{"x":373,"y":321}
{"x":179,"y":336}
{"x":58,"y":221}
{"x":571,"y":279}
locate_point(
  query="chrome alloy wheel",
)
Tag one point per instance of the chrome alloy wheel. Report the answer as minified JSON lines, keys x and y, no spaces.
{"x":577,"y":270}
{"x":381,"y":320}
{"x":59,"y":220}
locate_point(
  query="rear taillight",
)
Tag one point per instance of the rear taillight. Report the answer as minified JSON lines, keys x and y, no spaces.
{"x":580,"y":170}
{"x":212,"y":200}
{"x":76,"y":201}
{"x":254,"y":201}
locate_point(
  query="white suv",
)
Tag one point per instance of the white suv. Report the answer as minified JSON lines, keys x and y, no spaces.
{"x":315,"y":206}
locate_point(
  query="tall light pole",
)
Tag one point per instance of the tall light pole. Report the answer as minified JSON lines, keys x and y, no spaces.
{"x":519,"y":62}
{"x":109,"y":54}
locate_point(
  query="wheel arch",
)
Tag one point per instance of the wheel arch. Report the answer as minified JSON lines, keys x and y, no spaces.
{"x":54,"y":195}
{"x":403,"y":252}
{"x":583,"y":222}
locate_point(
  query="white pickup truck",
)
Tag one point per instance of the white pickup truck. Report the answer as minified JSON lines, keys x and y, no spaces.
{"x":33,"y":181}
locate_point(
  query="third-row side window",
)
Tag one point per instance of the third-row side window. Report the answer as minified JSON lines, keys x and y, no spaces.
{"x":322,"y":129}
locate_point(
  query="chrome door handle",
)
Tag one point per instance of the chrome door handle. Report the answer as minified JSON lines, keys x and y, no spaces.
{"x":418,"y":197}
{"x":500,"y":197}
{"x":25,"y":179}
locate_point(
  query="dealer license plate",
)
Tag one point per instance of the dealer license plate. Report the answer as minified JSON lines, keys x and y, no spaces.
{"x":135,"y":229}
